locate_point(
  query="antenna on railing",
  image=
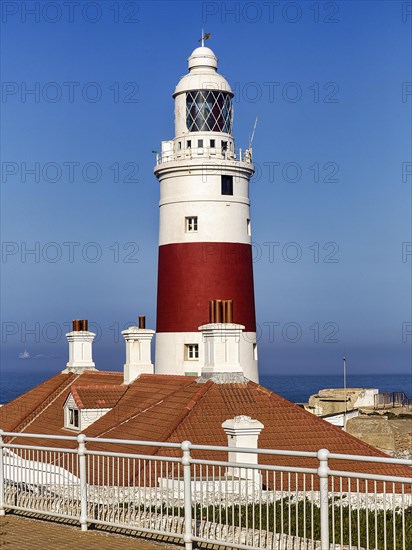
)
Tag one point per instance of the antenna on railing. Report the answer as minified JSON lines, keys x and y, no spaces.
{"x":253,"y":134}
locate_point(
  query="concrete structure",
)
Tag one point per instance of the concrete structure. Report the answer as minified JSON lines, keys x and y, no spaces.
{"x":138,"y":351}
{"x":340,"y":419}
{"x":80,"y":348}
{"x":205,"y":233}
{"x":336,"y":400}
{"x":391,"y":435}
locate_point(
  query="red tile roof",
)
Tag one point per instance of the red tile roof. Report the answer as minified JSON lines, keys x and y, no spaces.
{"x":178,"y":408}
{"x":96,"y":396}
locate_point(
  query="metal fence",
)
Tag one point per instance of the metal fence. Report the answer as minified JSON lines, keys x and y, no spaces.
{"x":390,"y":400}
{"x":181,"y":493}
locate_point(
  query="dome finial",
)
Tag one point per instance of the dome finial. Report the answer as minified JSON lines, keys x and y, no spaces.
{"x":204,"y":37}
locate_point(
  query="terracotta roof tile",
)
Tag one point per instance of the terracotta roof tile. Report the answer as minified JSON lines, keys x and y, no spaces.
{"x":177,"y":408}
{"x":97,"y":396}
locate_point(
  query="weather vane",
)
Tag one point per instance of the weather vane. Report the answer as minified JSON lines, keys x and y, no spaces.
{"x":204,"y":37}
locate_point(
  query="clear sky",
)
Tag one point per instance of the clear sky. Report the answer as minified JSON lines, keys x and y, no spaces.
{"x":86,"y":98}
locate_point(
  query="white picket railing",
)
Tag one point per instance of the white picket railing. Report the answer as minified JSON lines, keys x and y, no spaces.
{"x":205,"y":153}
{"x":234,"y":504}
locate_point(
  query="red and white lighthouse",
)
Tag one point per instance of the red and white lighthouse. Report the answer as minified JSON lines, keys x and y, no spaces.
{"x":205,"y":251}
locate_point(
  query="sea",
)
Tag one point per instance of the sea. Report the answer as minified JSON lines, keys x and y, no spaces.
{"x":295,"y":388}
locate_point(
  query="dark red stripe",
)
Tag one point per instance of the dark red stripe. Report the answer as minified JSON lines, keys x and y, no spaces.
{"x":191,"y":274}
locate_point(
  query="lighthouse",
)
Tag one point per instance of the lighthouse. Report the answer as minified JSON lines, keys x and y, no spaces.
{"x":205,"y":270}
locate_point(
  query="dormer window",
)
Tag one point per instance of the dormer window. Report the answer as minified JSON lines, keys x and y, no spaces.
{"x":86,"y":404}
{"x":71,"y":416}
{"x":73,"y":420}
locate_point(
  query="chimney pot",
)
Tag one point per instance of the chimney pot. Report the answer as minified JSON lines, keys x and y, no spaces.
{"x":80,"y":325}
{"x":218,"y":311}
{"x":142,"y":321}
{"x":229,"y":311}
{"x":80,"y":347}
{"x":211,"y":311}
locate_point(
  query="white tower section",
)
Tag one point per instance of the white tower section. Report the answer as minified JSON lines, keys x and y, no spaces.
{"x":204,"y":235}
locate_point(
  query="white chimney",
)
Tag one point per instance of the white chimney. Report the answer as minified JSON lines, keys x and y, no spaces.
{"x":222,"y":348}
{"x":80,"y":348}
{"x":138,"y":351}
{"x":244,"y":432}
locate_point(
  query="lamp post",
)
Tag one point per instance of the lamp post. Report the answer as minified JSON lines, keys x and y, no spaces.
{"x":344,"y":387}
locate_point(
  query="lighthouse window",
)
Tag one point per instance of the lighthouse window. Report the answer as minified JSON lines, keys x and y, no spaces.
{"x":191,"y":223}
{"x":191,"y":352}
{"x":189,"y":144}
{"x":209,"y":111}
{"x":200,"y":143}
{"x":255,"y":354}
{"x":249,"y":231}
{"x":212,"y":143}
{"x":227,"y":185}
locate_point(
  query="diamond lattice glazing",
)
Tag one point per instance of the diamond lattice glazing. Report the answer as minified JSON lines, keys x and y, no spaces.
{"x":208,"y":111}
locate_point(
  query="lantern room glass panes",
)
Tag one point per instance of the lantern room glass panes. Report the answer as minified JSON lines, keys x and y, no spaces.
{"x":208,"y":111}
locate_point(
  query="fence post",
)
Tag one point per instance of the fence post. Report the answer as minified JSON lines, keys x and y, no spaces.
{"x":187,"y":495}
{"x":2,"y":511}
{"x":83,"y":481}
{"x":323,"y":472}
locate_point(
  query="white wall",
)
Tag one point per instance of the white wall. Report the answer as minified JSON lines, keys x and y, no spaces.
{"x":170,"y":353}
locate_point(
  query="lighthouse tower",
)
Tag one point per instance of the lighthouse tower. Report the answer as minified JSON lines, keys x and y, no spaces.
{"x":205,"y":255}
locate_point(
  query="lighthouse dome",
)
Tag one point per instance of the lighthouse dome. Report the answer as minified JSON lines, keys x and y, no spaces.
{"x":202,"y":57}
{"x":203,"y":73}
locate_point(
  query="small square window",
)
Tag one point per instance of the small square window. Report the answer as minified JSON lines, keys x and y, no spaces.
{"x":191,"y":223}
{"x":189,"y":144}
{"x":200,"y":143}
{"x":227,"y":185}
{"x":179,"y":145}
{"x":213,"y":143}
{"x":191,"y":352}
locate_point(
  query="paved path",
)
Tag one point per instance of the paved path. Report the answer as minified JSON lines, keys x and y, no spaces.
{"x":22,"y":533}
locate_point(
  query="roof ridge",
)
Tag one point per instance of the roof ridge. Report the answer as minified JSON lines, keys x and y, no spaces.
{"x":31,"y":417}
{"x":169,"y":376}
{"x":140,"y":411}
{"x":98,"y":386}
{"x":76,"y":396}
{"x":95,"y":372}
{"x":187,"y":409}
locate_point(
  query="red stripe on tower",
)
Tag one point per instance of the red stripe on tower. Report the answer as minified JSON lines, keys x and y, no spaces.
{"x":192,"y":274}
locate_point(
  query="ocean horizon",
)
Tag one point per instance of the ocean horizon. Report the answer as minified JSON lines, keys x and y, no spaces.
{"x":295,"y":388}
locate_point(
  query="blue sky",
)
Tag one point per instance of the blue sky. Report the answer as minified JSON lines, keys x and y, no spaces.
{"x":330,"y":205}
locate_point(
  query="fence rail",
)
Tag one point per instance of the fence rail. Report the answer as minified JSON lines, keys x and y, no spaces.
{"x":194,"y":493}
{"x":391,"y":400}
{"x":206,"y":153}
